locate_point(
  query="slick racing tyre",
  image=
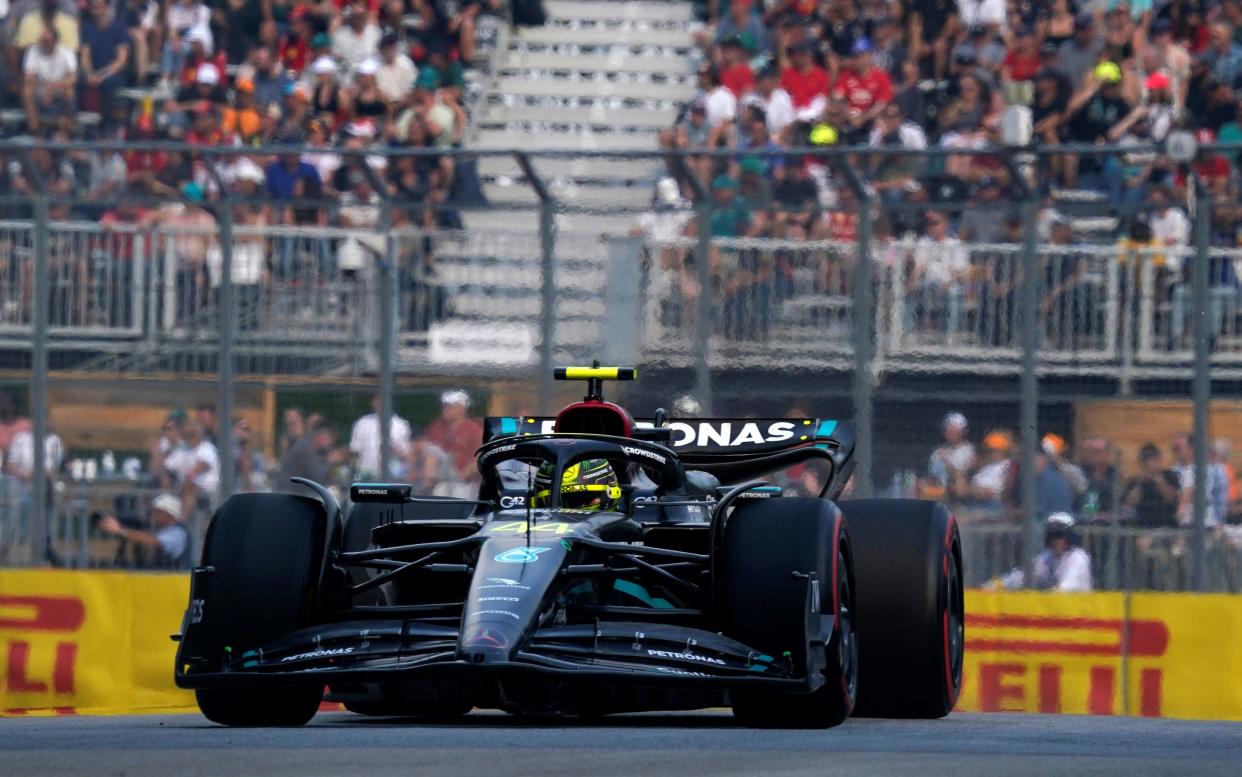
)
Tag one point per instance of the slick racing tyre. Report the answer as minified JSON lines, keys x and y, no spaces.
{"x":265,"y":549}
{"x":764,"y":598}
{"x":911,"y":622}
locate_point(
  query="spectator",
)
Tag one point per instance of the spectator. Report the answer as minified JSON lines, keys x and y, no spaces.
{"x":1063,"y":565}
{"x":19,"y":462}
{"x":313,"y":456}
{"x":364,"y":442}
{"x":325,"y":91}
{"x":50,"y":71}
{"x":43,"y":16}
{"x":197,"y":467}
{"x":720,"y":104}
{"x":169,"y":543}
{"x":355,"y":37}
{"x":894,"y":175}
{"x":1052,"y":491}
{"x":939,"y":268}
{"x":735,"y":72}
{"x":266,"y":75}
{"x":743,"y":25}
{"x":364,"y":101}
{"x":293,"y":428}
{"x":1069,"y":302}
{"x":11,"y":422}
{"x":1222,"y":449}
{"x":104,"y":55}
{"x":241,"y":120}
{"x":1224,"y":58}
{"x":774,"y":101}
{"x":1078,"y":55}
{"x":1092,"y":116}
{"x":1217,"y":485}
{"x":1150,"y":499}
{"x":396,"y":73}
{"x":250,"y":467}
{"x":205,"y":89}
{"x":1169,"y":225}
{"x":953,"y":461}
{"x":989,"y":487}
{"x":807,"y":84}
{"x":205,"y":415}
{"x":865,"y":88}
{"x":1096,"y":498}
{"x":188,"y":24}
{"x":456,"y":433}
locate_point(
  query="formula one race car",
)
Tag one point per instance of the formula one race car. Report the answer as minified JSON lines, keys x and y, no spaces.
{"x":606,"y":566}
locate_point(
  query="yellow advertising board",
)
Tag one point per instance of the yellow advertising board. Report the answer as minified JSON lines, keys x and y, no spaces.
{"x":98,"y":642}
{"x":1154,"y":655}
{"x":89,"y":642}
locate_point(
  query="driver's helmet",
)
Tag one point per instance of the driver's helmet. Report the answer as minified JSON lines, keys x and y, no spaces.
{"x":587,"y":485}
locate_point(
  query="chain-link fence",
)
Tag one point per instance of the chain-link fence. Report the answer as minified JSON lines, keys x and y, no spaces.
{"x":1016,"y":351}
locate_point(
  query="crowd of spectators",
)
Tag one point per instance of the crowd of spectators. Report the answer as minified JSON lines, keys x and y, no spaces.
{"x":322,"y":75}
{"x":981,"y":481}
{"x":937,"y":75}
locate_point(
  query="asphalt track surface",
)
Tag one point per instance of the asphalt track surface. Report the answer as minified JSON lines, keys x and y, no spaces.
{"x":632,"y":745}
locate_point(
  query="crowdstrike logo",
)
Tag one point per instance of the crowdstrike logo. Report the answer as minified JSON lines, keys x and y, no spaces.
{"x":643,"y":453}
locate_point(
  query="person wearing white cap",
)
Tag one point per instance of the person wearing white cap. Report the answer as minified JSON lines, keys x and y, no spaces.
{"x":956,"y":455}
{"x":456,"y":433}
{"x":1063,"y":565}
{"x":364,"y":443}
{"x":169,"y":542}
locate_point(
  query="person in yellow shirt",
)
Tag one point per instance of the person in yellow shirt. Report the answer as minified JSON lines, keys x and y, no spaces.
{"x":34,"y":22}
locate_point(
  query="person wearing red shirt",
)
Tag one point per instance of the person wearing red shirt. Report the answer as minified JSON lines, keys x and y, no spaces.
{"x":295,"y":46}
{"x":865,"y":88}
{"x":735,"y":73}
{"x":806,"y":82}
{"x":456,"y":433}
{"x":1022,"y":61}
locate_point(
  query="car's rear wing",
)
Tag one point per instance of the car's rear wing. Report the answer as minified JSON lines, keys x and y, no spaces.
{"x":732,"y":449}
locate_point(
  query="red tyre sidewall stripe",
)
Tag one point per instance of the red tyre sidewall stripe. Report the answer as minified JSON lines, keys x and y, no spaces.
{"x":836,"y":596}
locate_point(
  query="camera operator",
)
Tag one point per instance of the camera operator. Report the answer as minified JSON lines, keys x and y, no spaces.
{"x":167,"y":547}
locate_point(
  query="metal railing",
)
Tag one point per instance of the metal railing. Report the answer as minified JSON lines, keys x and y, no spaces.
{"x":511,"y":291}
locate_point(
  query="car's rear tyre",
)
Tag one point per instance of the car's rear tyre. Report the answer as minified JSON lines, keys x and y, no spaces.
{"x":911,"y":624}
{"x":767,"y":545}
{"x":266,"y":551}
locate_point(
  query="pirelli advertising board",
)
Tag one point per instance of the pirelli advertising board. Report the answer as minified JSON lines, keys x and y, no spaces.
{"x":98,"y":642}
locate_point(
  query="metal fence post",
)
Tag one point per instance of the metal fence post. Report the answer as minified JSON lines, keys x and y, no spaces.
{"x":224,"y":387}
{"x":39,"y":503}
{"x":547,"y":297}
{"x":547,"y":286}
{"x":863,"y":329}
{"x":1202,"y":383}
{"x":387,"y":343}
{"x":1029,"y":413}
{"x":703,"y":318}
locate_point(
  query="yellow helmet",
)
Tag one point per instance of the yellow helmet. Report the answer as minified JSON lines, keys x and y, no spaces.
{"x":1108,"y":73}
{"x":587,"y":485}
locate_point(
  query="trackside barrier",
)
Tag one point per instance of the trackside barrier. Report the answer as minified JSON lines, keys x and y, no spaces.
{"x":89,"y":642}
{"x":97,"y":643}
{"x":1148,"y":654}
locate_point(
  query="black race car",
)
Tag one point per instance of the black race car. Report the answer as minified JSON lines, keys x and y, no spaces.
{"x":677,"y":579}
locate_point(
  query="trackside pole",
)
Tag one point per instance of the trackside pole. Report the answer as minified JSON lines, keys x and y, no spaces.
{"x":1029,"y":414}
{"x":1201,"y":388}
{"x":39,"y":505}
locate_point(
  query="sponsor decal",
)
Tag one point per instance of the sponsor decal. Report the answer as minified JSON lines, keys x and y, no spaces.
{"x":685,"y":657}
{"x":727,"y":434}
{"x":489,"y":638}
{"x":322,"y":653}
{"x":505,"y":613}
{"x":521,"y":555}
{"x":509,"y":502}
{"x":372,"y":491}
{"x":196,"y":610}
{"x":644,"y":499}
{"x":646,"y":454}
{"x":685,"y":672}
{"x":504,"y":582}
{"x":499,"y":599}
{"x":495,"y":451}
{"x":519,"y":527}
